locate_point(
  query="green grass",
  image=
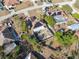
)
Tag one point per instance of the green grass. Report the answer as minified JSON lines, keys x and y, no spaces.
{"x":16,"y":17}
{"x":75,"y":15}
{"x":22,"y":22}
{"x":66,"y":38}
{"x":70,"y":22}
{"x":67,"y":8}
{"x":33,"y":41}
{"x":23,"y":25}
{"x":50,"y":20}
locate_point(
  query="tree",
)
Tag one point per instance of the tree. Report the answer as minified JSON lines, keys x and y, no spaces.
{"x":65,"y":38}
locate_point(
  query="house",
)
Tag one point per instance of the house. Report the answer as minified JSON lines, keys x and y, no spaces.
{"x":60,"y":19}
{"x":9,"y":47}
{"x":74,"y":27}
{"x":10,"y":33}
{"x":1,"y":5}
{"x":5,"y":42}
{"x":28,"y":22}
{"x":41,"y":31}
{"x":10,"y":3}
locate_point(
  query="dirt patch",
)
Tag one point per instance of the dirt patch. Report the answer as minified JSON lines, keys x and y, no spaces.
{"x":36,"y":12}
{"x":23,"y":5}
{"x":4,"y":12}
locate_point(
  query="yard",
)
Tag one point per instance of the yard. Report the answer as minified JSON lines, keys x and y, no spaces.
{"x":66,"y":38}
{"x":35,"y":12}
{"x":67,"y":8}
{"x":70,"y":22}
{"x":4,"y":13}
{"x":76,"y":15}
{"x":20,"y":24}
{"x":23,"y":5}
{"x":33,"y":41}
{"x":50,"y":20}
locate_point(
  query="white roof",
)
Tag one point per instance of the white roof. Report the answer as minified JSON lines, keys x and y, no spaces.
{"x":38,"y":28}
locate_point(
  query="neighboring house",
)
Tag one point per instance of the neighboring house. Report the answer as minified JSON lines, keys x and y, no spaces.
{"x":29,"y":23}
{"x":7,"y":37}
{"x":10,"y":33}
{"x":10,"y":3}
{"x":57,"y":15}
{"x":9,"y":47}
{"x":1,"y":5}
{"x":5,"y":41}
{"x":74,"y":27}
{"x":41,"y":31}
{"x":60,"y":19}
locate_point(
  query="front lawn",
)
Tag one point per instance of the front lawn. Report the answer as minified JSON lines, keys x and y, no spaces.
{"x":76,"y":15}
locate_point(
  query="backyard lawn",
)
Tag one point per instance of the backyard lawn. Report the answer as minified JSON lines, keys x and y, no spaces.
{"x":50,"y":20}
{"x":76,"y":15}
{"x":67,"y":8}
